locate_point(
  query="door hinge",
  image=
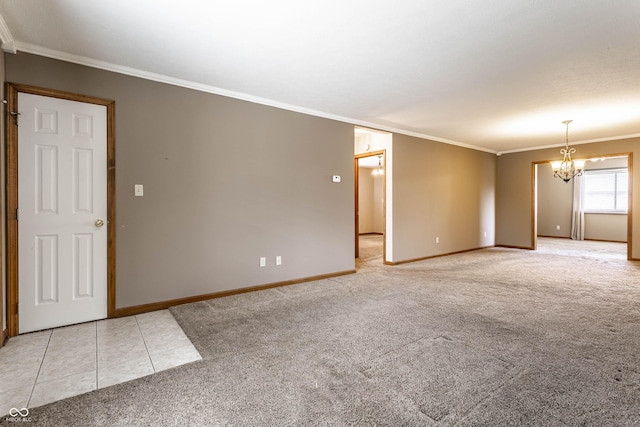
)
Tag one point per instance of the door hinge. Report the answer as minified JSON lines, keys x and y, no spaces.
{"x":17,"y":307}
{"x":17,"y":215}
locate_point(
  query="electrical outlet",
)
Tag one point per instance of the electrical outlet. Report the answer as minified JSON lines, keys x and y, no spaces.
{"x":278,"y":260}
{"x":557,"y":227}
{"x":263,"y":261}
{"x":437,"y":240}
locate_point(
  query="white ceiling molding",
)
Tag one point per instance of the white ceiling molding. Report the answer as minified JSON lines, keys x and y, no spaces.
{"x":90,"y":62}
{"x":8,"y":44}
{"x":589,"y":141}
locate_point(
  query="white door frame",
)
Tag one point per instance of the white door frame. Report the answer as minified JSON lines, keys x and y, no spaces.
{"x":11,"y":118}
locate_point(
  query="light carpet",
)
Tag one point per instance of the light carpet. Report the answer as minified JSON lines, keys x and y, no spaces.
{"x":484,"y":338}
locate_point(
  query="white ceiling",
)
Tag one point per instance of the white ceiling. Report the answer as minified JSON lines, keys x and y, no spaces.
{"x":498,"y":75}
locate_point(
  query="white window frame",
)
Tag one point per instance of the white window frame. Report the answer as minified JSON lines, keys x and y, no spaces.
{"x":608,"y":171}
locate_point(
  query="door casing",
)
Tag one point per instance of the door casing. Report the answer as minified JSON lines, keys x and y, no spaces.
{"x":11,"y":91}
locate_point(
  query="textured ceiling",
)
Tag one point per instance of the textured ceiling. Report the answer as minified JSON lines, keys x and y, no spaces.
{"x":498,"y":75}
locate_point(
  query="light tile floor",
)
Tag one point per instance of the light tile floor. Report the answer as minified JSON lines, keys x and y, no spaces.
{"x":42,"y":367}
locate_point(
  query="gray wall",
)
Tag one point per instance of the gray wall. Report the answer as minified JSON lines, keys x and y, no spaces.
{"x":442,"y":191}
{"x":554,"y":207}
{"x":225,"y":182}
{"x":514,"y":189}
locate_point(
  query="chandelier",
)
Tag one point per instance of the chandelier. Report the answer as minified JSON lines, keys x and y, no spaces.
{"x":566,"y":168}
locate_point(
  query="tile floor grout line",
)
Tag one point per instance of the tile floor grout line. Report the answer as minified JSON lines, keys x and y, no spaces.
{"x":40,"y":367}
{"x":148,"y":342}
{"x":145,"y":344}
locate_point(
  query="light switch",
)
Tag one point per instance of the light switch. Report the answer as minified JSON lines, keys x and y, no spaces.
{"x":138,"y":190}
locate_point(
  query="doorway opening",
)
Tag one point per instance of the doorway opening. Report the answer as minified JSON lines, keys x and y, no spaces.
{"x":602,"y":212}
{"x":370,"y":189}
{"x":372,"y":171}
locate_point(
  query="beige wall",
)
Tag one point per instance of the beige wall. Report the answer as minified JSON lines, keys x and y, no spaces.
{"x":555,"y":198}
{"x":514,"y":189}
{"x":370,"y":202}
{"x":225,"y":182}
{"x":612,"y":227}
{"x":365,"y":200}
{"x":442,"y":191}
{"x":378,"y":204}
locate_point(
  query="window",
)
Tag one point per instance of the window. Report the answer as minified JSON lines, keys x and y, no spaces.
{"x":606,"y":190}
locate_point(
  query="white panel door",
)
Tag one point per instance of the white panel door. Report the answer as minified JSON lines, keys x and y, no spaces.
{"x":62,"y":204}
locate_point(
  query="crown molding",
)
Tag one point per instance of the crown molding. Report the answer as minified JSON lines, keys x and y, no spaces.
{"x":90,"y":62}
{"x":588,"y":141}
{"x":8,"y":44}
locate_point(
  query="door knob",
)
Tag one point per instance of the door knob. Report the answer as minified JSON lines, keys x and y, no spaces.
{"x":99,"y":223}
